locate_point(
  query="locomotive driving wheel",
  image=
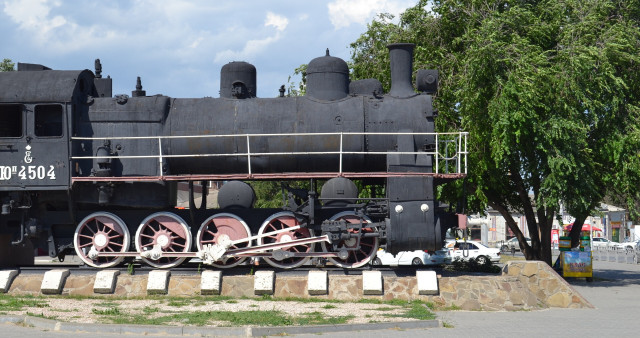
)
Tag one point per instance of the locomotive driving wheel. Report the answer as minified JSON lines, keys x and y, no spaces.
{"x":358,"y":257}
{"x":165,"y":232}
{"x":101,"y":232}
{"x":220,"y":228}
{"x":282,"y":221}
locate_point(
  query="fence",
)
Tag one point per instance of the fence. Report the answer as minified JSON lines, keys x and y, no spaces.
{"x":613,"y":254}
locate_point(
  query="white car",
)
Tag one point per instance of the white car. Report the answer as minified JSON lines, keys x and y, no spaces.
{"x":632,"y":245}
{"x":473,"y":249}
{"x":603,"y":243}
{"x":513,"y":244}
{"x":417,"y":257}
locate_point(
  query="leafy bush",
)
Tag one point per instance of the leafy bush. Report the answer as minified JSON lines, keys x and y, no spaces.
{"x":472,"y":265}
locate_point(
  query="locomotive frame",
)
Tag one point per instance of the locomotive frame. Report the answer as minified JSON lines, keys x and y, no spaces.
{"x":73,"y":176}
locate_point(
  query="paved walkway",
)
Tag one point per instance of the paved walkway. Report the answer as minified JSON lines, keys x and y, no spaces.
{"x":615,"y":293}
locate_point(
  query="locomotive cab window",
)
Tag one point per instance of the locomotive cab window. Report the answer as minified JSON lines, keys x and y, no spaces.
{"x":48,"y":120}
{"x":10,"y":120}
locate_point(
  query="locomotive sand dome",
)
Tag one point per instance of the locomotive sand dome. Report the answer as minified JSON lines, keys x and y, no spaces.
{"x":87,"y":173}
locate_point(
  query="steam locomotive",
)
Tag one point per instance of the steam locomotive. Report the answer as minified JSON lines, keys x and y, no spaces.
{"x":86,"y":172}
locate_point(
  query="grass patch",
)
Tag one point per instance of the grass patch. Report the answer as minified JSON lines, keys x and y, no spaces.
{"x":418,"y":311}
{"x":107,"y":304}
{"x":412,"y":309}
{"x":112,"y":311}
{"x":396,"y":302}
{"x":452,"y":307}
{"x":231,"y":318}
{"x":385,"y":309}
{"x":149,"y":310}
{"x":178,"y":302}
{"x":9,"y":303}
{"x":318,"y":318}
{"x":40,"y":315}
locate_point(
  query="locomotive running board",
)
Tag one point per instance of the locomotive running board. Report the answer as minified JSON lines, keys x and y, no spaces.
{"x":226,"y":177}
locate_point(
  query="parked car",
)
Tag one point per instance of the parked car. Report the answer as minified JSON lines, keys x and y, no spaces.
{"x":476,"y":250}
{"x":603,"y":243}
{"x":512,"y":245}
{"x":417,"y":257}
{"x":631,"y":246}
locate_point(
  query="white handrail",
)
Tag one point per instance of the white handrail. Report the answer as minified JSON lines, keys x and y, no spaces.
{"x":460,"y":156}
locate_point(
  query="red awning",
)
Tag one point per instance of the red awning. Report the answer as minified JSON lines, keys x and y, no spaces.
{"x":585,"y":227}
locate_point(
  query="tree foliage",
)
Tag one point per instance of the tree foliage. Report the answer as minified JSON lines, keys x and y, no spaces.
{"x":548,"y":91}
{"x":299,"y":89}
{"x":6,"y":65}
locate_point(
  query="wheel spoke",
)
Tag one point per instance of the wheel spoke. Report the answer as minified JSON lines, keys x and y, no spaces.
{"x":166,"y":229}
{"x":363,"y":254}
{"x":229,"y":227}
{"x":279,"y":221}
{"x":107,"y":233}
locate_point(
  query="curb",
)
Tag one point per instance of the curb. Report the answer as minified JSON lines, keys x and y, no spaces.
{"x":54,"y":325}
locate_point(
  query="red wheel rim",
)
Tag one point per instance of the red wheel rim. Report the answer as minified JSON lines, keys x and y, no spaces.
{"x":282,"y":221}
{"x":105,"y":232}
{"x":225,"y":226}
{"x":361,"y":256}
{"x":168,"y":231}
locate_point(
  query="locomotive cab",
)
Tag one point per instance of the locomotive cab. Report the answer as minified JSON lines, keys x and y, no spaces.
{"x":34,"y":132}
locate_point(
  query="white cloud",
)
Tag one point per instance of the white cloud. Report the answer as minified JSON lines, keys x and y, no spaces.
{"x":278,"y":21}
{"x":343,"y":13}
{"x":172,"y":44}
{"x":256,"y":46}
{"x":196,"y":42}
{"x":33,"y":15}
{"x":251,"y":48}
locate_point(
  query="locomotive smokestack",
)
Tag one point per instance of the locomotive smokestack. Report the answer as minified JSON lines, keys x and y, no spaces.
{"x":401,"y":56}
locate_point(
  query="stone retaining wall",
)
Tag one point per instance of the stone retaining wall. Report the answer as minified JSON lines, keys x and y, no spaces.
{"x":522,"y":285}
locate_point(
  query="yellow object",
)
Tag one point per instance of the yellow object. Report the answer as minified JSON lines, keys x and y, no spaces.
{"x":577,"y":264}
{"x":564,"y":244}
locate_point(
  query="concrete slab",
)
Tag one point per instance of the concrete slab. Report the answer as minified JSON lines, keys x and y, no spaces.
{"x":372,"y":282}
{"x":6,"y":277}
{"x":317,"y":282}
{"x":53,"y":281}
{"x":427,"y":282}
{"x":158,"y":282}
{"x":105,"y":282}
{"x":264,"y":282}
{"x":210,"y":282}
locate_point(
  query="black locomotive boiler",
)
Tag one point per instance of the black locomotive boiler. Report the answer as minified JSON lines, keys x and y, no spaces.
{"x":87,"y":172}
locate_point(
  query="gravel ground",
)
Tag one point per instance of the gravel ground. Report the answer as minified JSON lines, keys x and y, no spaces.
{"x":96,"y":310}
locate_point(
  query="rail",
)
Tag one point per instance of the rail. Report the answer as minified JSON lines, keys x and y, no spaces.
{"x":450,"y":153}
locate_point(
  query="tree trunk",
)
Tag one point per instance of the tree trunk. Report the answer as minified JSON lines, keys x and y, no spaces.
{"x":576,"y":230}
{"x":524,"y":247}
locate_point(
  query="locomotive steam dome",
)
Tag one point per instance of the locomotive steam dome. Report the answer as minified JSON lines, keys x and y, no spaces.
{"x":238,"y":80}
{"x":327,"y":78}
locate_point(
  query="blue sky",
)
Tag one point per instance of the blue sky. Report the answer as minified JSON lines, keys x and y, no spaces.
{"x":179,"y":46}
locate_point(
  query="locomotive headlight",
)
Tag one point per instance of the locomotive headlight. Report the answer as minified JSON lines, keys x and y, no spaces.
{"x":399,"y":208}
{"x":424,"y":207}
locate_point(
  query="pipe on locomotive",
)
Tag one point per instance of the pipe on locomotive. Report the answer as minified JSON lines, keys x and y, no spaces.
{"x":328,"y":77}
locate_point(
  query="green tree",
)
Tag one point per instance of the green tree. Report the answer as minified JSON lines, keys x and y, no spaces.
{"x":301,"y":88}
{"x":548,"y":91}
{"x":6,"y":65}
